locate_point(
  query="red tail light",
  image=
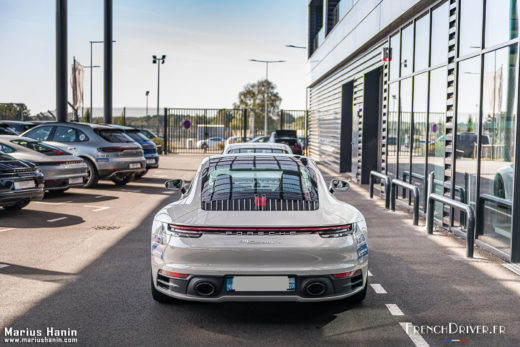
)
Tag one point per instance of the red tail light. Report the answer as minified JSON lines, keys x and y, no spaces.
{"x":260,"y":201}
{"x":347,"y":274}
{"x":173,"y":274}
{"x":332,"y":229}
{"x":55,"y":163}
{"x":111,"y":149}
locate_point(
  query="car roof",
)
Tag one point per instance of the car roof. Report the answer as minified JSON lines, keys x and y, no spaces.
{"x":257,"y":145}
{"x":120,"y":127}
{"x":16,"y":137}
{"x":15,"y":121}
{"x":87,"y":125}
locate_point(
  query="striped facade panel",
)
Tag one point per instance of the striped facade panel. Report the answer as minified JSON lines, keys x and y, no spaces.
{"x":325,"y":102}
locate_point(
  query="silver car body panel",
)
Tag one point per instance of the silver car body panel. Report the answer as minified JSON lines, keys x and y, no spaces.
{"x":250,"y":253}
{"x":67,"y":171}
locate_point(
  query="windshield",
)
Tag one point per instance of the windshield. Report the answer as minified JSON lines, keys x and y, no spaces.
{"x":137,"y":136}
{"x":40,"y":147}
{"x":114,"y":136}
{"x":246,"y":177}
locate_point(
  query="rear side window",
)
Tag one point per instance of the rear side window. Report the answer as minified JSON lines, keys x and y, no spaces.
{"x":136,"y":136}
{"x":40,"y":147}
{"x":6,"y":149}
{"x":67,"y":134}
{"x":114,"y":136}
{"x":40,"y":133}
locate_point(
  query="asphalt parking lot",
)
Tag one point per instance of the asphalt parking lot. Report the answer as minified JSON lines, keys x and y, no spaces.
{"x":81,"y":260}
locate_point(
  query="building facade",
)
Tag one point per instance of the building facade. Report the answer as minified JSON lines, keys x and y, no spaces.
{"x":411,"y":87}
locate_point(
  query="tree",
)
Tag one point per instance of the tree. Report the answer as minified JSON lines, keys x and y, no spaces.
{"x":86,"y":116}
{"x":13,"y":111}
{"x":122,"y":119}
{"x":470,"y":127}
{"x":252,"y":97}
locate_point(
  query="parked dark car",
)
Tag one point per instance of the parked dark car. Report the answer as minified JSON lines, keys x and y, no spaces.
{"x":288,"y":137}
{"x":466,"y":144}
{"x":20,"y":182}
{"x":6,"y":131}
{"x":149,"y":148}
{"x":17,"y":126}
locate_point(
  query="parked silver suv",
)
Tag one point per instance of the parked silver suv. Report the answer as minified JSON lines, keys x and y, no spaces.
{"x":108,"y":152}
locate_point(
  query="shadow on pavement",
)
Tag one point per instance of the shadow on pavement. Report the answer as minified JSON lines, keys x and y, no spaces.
{"x":27,"y":219}
{"x":36,"y":274}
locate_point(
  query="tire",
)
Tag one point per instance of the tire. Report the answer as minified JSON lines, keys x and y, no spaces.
{"x":359,"y":296}
{"x":121,"y":180}
{"x":93,"y":176}
{"x":18,"y":206}
{"x":160,"y":297}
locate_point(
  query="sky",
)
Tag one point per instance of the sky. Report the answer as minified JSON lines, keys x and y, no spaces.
{"x":208,"y":44}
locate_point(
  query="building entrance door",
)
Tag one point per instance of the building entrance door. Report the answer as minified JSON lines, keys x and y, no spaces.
{"x":345,"y":152}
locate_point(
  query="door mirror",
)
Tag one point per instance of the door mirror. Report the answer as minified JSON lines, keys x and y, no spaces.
{"x":174,"y":185}
{"x":338,"y":186}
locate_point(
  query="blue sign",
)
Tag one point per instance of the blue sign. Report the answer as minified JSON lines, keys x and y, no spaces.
{"x":186,"y":124}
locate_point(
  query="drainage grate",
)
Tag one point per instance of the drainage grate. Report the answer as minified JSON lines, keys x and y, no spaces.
{"x":106,"y":227}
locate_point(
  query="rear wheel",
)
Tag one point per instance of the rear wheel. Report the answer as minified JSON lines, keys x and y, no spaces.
{"x":160,"y":297}
{"x":121,"y":180}
{"x":18,"y":206}
{"x":139,"y":176}
{"x":93,"y":176}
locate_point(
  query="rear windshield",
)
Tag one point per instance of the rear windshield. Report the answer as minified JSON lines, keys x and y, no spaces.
{"x":40,"y":147}
{"x":285,"y":134}
{"x":244,"y":177}
{"x":136,"y":136}
{"x":256,"y":150}
{"x":114,"y":136}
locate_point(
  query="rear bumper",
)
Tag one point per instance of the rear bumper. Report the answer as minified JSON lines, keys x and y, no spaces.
{"x":12,"y":197}
{"x":152,"y":157}
{"x":336,"y":289}
{"x":64,"y":182}
{"x":108,"y":167}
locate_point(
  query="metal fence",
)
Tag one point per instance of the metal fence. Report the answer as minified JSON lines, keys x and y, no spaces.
{"x":206,"y":130}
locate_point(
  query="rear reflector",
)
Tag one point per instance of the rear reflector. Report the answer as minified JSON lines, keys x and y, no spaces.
{"x":172,"y":274}
{"x":347,"y":274}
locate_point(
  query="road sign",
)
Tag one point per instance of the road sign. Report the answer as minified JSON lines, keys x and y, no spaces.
{"x":435,"y":128}
{"x":186,"y":124}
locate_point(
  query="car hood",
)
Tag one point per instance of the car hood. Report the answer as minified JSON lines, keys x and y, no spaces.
{"x":186,"y":214}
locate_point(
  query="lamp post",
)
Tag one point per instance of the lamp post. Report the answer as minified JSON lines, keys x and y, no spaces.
{"x":158,"y":61}
{"x":91,"y":67}
{"x":266,"y":62}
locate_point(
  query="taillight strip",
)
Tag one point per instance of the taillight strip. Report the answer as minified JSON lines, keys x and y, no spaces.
{"x":297,"y":229}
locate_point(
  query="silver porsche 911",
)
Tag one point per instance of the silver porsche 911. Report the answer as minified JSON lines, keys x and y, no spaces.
{"x":61,"y":170}
{"x":259,"y":227}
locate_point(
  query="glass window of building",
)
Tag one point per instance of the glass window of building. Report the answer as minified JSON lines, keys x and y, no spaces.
{"x":440,"y":26}
{"x":501,"y":21}
{"x":470,"y":31}
{"x":407,"y":51}
{"x":422,"y":42}
{"x":497,"y":143}
{"x":436,"y":128}
{"x":420,"y":128}
{"x":391,"y":140}
{"x":394,"y":63}
{"x":404,"y":143}
{"x":468,"y":104}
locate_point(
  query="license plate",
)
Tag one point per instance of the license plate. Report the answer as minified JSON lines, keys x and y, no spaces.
{"x":135,"y":165}
{"x":24,"y":185}
{"x":75,"y":180}
{"x":150,"y":161}
{"x":260,"y":284}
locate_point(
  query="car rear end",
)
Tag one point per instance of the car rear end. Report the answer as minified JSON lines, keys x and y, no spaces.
{"x":19,"y":181}
{"x":289,"y":138}
{"x":250,"y":245}
{"x":149,"y":148}
{"x":117,"y":154}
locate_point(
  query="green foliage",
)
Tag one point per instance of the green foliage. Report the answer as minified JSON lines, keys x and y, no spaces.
{"x":470,"y":126}
{"x":13,"y":112}
{"x":157,"y":140}
{"x":122,"y":120}
{"x":86,"y":116}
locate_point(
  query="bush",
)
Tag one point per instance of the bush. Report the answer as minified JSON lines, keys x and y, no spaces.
{"x":157,"y":140}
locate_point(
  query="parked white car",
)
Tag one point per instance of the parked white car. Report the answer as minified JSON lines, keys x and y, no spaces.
{"x":255,"y":147}
{"x":211,"y":142}
{"x":259,"y":227}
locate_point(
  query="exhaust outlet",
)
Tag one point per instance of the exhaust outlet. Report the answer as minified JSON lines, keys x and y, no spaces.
{"x":205,"y":288}
{"x":315,"y":288}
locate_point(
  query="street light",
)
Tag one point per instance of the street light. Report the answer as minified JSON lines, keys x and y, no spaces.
{"x":158,"y":61}
{"x":267,"y":62}
{"x":294,"y":46}
{"x":91,"y":68}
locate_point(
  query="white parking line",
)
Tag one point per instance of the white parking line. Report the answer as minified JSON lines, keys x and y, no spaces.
{"x":511,"y":267}
{"x":394,"y":310}
{"x":3,"y":265}
{"x":369,"y":273}
{"x":97,"y":208}
{"x":416,"y":338}
{"x":56,"y":219}
{"x":98,"y":197}
{"x":6,"y":229}
{"x":378,"y":288}
{"x":52,"y":203}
